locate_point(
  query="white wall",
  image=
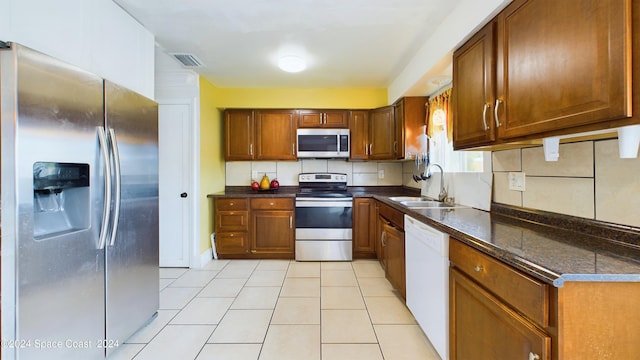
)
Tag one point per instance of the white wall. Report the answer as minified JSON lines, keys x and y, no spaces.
{"x":434,"y":57}
{"x":95,"y":35}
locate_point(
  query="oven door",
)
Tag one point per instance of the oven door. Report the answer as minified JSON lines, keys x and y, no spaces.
{"x":323,"y":229}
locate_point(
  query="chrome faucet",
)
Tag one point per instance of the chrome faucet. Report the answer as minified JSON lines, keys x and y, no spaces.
{"x":443,"y":193}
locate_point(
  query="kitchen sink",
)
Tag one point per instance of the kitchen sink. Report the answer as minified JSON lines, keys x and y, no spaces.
{"x":418,"y":202}
{"x":409,"y":198}
{"x":425,"y":204}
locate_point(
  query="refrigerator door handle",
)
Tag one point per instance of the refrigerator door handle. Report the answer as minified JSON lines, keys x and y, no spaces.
{"x":116,"y":174}
{"x":102,"y":138}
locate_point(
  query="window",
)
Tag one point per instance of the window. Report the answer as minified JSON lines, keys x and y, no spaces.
{"x":441,"y":136}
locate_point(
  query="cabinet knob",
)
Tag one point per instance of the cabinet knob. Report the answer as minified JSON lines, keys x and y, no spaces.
{"x":231,"y":204}
{"x":271,"y":204}
{"x":253,"y":251}
{"x":533,"y":356}
{"x":478,"y":268}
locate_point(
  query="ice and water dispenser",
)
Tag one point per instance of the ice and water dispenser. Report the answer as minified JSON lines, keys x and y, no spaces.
{"x":61,"y":198}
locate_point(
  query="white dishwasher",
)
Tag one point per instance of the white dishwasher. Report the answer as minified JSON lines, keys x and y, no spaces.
{"x":427,"y":279}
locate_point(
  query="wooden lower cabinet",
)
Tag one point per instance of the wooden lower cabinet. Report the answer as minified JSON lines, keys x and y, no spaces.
{"x":390,"y":246}
{"x":364,"y":228}
{"x":272,"y":233}
{"x":483,"y":327}
{"x":495,"y":311}
{"x":232,"y":243}
{"x":255,"y":228}
{"x":395,"y":270}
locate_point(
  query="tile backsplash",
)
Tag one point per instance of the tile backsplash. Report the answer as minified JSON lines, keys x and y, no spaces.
{"x":589,"y":180}
{"x":394,"y":173}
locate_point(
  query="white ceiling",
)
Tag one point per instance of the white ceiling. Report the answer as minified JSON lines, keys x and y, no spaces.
{"x":347,"y":43}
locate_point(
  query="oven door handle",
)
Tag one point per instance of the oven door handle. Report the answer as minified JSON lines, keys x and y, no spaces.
{"x":306,"y":203}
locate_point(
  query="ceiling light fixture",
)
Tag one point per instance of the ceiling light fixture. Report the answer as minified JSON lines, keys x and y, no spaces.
{"x":292,"y":64}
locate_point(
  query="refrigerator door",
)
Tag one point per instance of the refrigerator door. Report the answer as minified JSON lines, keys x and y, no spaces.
{"x":53,"y":283}
{"x":132,"y":281}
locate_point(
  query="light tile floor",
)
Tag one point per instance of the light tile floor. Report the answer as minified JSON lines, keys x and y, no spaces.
{"x":279,"y":309}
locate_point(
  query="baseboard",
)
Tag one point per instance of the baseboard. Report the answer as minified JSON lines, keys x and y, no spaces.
{"x":205,"y":258}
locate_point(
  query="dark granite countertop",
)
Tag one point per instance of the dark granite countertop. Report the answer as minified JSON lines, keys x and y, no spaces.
{"x":548,"y":252}
{"x":290,"y":191}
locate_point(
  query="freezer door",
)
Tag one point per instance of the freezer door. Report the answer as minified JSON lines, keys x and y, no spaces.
{"x":53,"y":269}
{"x":132,"y":281}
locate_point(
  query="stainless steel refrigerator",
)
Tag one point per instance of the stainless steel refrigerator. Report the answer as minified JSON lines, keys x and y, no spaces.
{"x":79,"y":226}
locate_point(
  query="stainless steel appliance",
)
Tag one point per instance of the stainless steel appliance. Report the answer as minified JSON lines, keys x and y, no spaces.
{"x":79,"y":209}
{"x":323,"y":143}
{"x":323,"y":218}
{"x":427,"y":281}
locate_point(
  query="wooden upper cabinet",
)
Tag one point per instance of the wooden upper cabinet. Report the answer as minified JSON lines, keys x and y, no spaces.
{"x":544,"y":68}
{"x":473,"y":92}
{"x":238,"y":134}
{"x":410,"y":122}
{"x":359,"y":134}
{"x":275,"y":134}
{"x":323,"y":119}
{"x":382,"y":140}
{"x":562,"y":64}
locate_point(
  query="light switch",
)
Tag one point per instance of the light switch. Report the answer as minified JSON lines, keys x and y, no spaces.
{"x":380,"y":174}
{"x":516,"y":181}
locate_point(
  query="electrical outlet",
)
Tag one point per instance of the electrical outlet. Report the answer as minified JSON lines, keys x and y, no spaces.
{"x":516,"y":181}
{"x":380,"y":174}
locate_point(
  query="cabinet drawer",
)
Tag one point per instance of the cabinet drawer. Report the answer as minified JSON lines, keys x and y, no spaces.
{"x":232,"y":220}
{"x":396,"y":217}
{"x":272,"y":203}
{"x":232,"y":243}
{"x":524,"y":293}
{"x":231,"y":204}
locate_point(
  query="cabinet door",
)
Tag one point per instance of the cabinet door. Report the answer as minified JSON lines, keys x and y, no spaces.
{"x":482,"y":327}
{"x":238,"y":134}
{"x":473,"y":93}
{"x":410,"y":113}
{"x":323,"y":118}
{"x":398,"y":121}
{"x":359,"y":131}
{"x":338,"y":119}
{"x":272,"y":232}
{"x":562,"y":64}
{"x":275,"y":134}
{"x":382,"y":134}
{"x":310,"y":119}
{"x":381,"y":248}
{"x":364,"y":235}
{"x":394,"y":240}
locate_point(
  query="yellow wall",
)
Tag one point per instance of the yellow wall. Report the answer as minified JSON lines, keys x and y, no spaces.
{"x":212,"y":169}
{"x":213,"y":100}
{"x":303,"y":98}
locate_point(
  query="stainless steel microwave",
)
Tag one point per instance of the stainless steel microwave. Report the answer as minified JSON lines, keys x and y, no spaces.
{"x":323,"y":143}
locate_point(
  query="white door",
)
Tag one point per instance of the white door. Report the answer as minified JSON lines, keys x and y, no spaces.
{"x":174,"y":192}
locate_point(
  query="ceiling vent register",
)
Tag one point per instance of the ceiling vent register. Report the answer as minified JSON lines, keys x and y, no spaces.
{"x":188,"y":60}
